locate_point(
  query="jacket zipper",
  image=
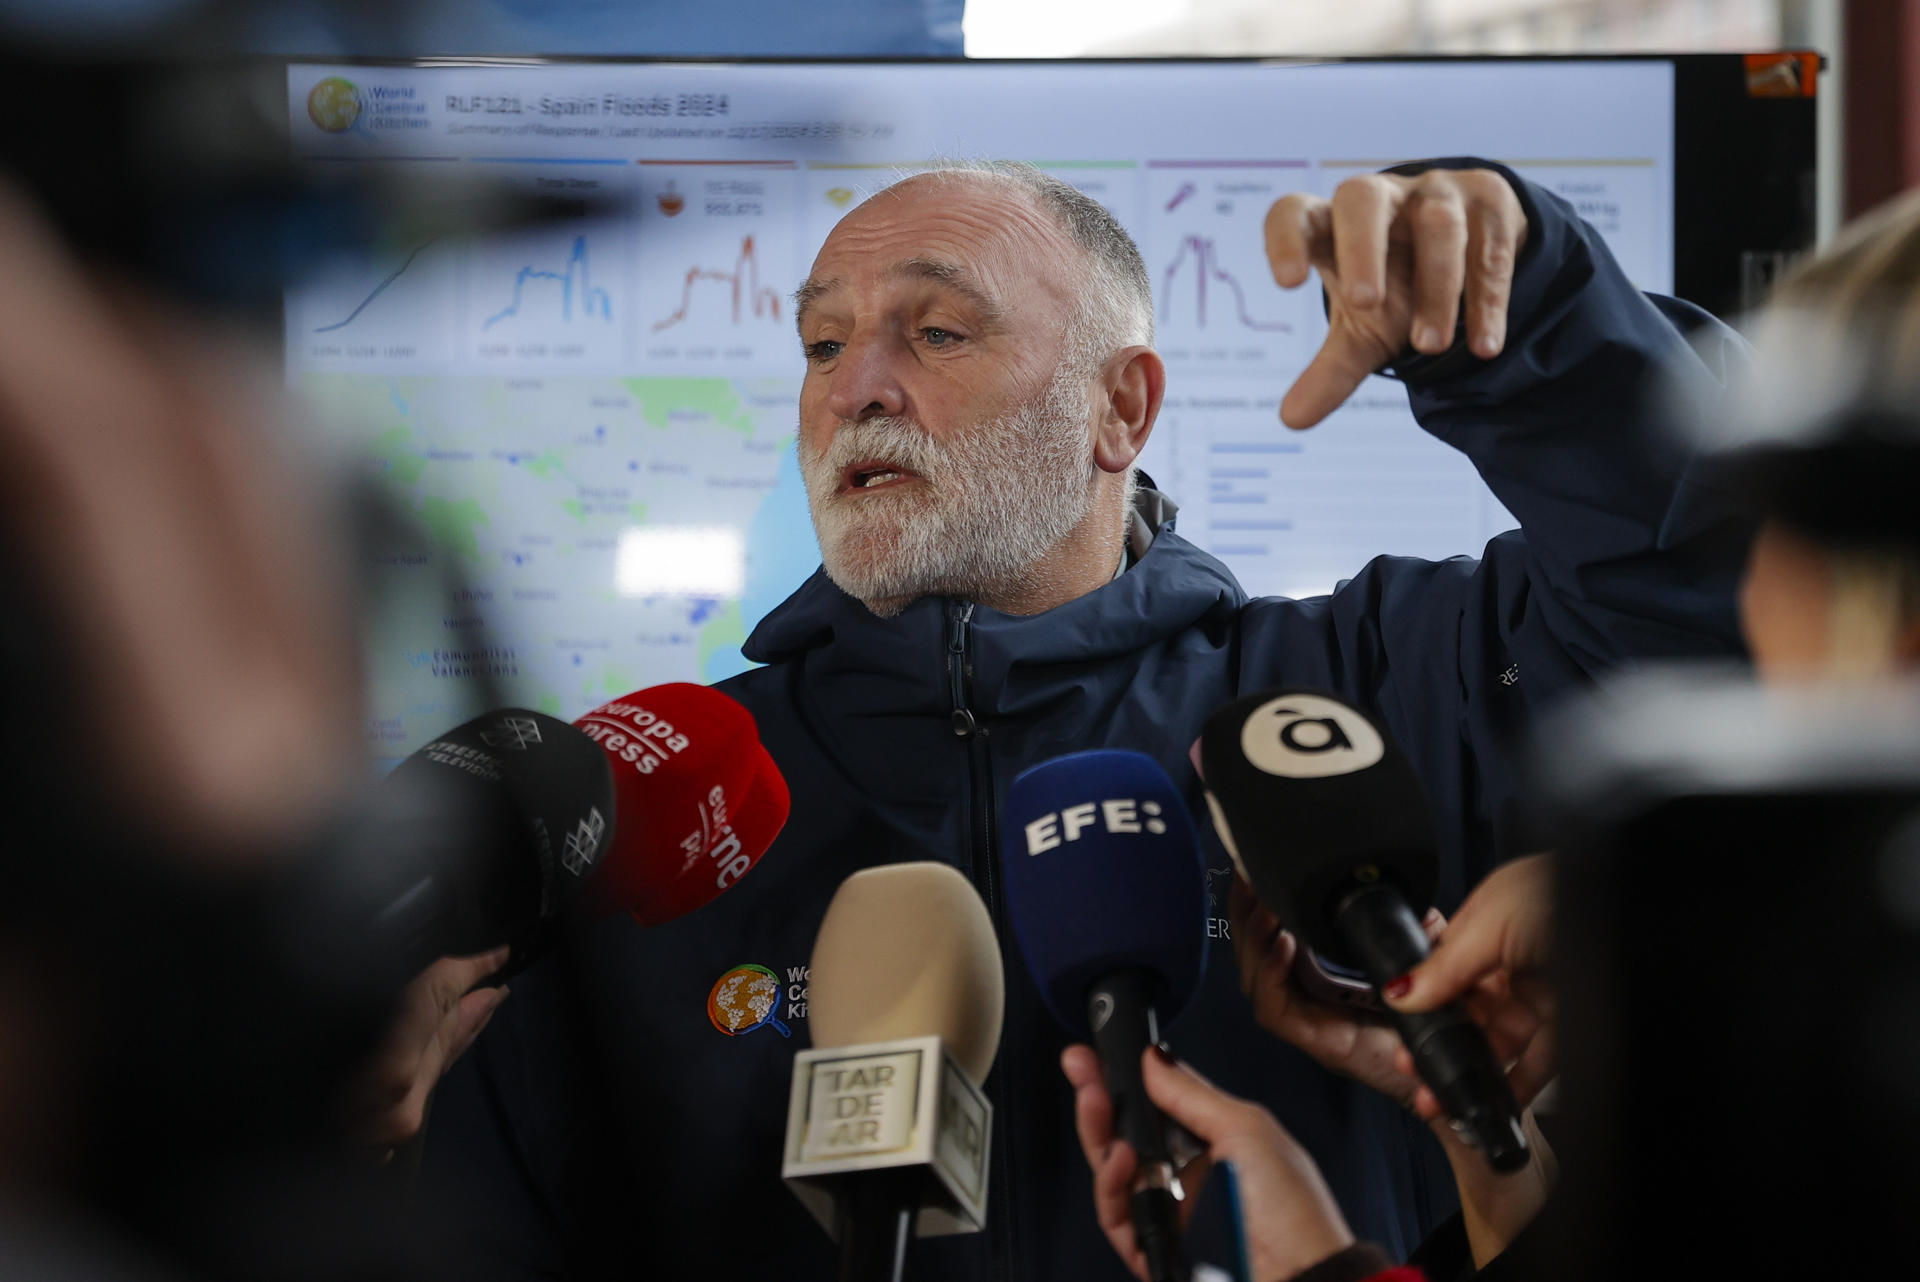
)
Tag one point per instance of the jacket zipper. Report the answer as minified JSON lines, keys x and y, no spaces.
{"x":981,"y":845}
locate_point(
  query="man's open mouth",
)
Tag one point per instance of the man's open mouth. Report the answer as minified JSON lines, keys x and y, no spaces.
{"x":874,"y":474}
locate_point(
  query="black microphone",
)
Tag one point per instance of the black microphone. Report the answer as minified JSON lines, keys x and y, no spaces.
{"x":483,"y":837}
{"x":1107,"y":895}
{"x":1326,"y":820}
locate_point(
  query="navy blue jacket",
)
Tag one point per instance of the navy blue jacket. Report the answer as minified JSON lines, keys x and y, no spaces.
{"x":605,"y":1110}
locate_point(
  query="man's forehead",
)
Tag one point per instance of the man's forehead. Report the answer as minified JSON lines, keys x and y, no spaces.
{"x":979,"y":238}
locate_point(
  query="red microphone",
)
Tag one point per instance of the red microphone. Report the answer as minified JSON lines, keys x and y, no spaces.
{"x":697,"y":800}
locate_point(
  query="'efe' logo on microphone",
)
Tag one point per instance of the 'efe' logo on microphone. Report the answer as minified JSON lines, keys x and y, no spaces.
{"x":1120,"y":815}
{"x":1305,"y":736}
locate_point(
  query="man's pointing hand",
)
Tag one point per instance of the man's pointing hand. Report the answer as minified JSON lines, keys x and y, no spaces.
{"x":1400,"y":257}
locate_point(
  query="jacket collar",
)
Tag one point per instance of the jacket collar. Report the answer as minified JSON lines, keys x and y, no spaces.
{"x":900,"y":662}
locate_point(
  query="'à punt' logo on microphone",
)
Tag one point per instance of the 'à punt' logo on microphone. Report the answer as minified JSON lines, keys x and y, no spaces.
{"x":1305,"y":736}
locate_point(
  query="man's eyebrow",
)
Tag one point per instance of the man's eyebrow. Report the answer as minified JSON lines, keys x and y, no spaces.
{"x":949,"y":275}
{"x":956,"y":278}
{"x":811,"y":290}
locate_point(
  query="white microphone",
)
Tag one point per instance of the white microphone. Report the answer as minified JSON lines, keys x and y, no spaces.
{"x":888,"y":1131}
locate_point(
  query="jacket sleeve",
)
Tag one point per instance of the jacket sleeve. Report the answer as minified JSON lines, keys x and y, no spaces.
{"x":1625,"y":552}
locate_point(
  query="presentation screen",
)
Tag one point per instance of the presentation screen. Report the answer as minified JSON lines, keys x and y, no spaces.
{"x":591,"y":423}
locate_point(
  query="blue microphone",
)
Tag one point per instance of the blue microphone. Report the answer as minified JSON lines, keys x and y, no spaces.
{"x":1107,"y":895}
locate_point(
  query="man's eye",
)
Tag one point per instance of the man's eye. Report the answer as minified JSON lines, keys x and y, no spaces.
{"x":824,"y":350}
{"x":937,"y":337}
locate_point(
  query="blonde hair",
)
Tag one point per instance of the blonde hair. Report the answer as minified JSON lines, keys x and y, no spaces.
{"x":1868,"y":281}
{"x":1863,"y":291}
{"x":1873,"y":600}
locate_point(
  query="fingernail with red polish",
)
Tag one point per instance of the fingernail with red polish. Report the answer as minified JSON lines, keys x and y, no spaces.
{"x":1398,"y":988}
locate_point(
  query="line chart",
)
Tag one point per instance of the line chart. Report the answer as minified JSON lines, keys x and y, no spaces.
{"x":592,"y":298}
{"x":375,"y":292}
{"x":1206,"y":268}
{"x":749,"y":296}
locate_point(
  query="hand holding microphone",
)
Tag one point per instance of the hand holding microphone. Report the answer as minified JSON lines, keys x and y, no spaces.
{"x":1290,"y":1217}
{"x":1353,"y":1042}
{"x":1494,"y":962}
{"x":1327,"y":822}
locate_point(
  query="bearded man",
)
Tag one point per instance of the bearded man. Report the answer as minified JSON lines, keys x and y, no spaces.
{"x":999,"y":588}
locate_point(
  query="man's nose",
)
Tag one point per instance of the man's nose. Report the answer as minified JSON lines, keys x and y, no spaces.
{"x":866,"y":381}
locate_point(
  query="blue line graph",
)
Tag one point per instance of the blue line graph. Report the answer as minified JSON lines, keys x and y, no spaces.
{"x":374,"y":293}
{"x":591,"y":296}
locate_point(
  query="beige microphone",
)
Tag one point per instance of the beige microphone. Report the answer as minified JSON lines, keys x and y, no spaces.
{"x":887,"y":1129}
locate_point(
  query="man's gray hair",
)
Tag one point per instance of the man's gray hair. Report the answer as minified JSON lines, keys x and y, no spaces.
{"x":1116,"y":310}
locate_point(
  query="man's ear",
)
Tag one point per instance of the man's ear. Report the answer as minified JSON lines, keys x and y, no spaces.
{"x":1128,"y":393}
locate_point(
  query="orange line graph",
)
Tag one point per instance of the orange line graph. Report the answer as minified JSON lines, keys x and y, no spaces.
{"x":748,"y":293}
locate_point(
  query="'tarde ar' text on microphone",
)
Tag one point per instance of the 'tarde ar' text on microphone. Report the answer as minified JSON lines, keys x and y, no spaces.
{"x":888,"y":1131}
{"x":1106,"y":892}
{"x":1327,"y":822}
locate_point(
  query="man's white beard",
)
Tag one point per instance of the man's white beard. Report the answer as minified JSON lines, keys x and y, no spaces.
{"x":995,"y":500}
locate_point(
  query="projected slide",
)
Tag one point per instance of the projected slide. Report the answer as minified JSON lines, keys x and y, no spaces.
{"x":591,"y":423}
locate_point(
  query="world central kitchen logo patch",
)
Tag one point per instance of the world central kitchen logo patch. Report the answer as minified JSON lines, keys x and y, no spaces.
{"x":749,"y":997}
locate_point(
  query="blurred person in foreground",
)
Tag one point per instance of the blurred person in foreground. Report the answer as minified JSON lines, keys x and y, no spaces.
{"x":198,"y":1072}
{"x":1824,"y":443}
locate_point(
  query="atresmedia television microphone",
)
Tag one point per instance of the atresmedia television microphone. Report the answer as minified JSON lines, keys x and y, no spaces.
{"x":1328,"y":823}
{"x":1106,"y":892}
{"x":651,"y":804}
{"x":487,"y":832}
{"x":887,"y":1129}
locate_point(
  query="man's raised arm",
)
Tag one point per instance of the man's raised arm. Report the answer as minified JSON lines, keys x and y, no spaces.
{"x":1553,"y":390}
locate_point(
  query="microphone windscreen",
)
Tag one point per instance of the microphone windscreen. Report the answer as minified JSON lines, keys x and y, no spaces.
{"x":1313,"y":800}
{"x":528,"y":814}
{"x":1103,"y":873}
{"x":908,"y":950}
{"x":699,"y":799}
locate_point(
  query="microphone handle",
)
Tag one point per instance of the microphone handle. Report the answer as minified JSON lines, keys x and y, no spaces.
{"x":1124,"y":1022}
{"x":1450,"y":1052}
{"x":876,"y":1213}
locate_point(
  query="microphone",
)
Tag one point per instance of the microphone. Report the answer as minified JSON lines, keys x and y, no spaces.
{"x":1106,"y":892}
{"x":887,"y":1128}
{"x":509,"y":820}
{"x":1328,"y":823}
{"x":499,"y":823}
{"x":698,"y":796}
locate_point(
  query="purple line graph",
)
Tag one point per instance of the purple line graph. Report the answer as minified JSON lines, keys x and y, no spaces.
{"x":1207,"y":271}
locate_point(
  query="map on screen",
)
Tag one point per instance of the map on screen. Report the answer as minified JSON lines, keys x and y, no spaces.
{"x":592,"y":422}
